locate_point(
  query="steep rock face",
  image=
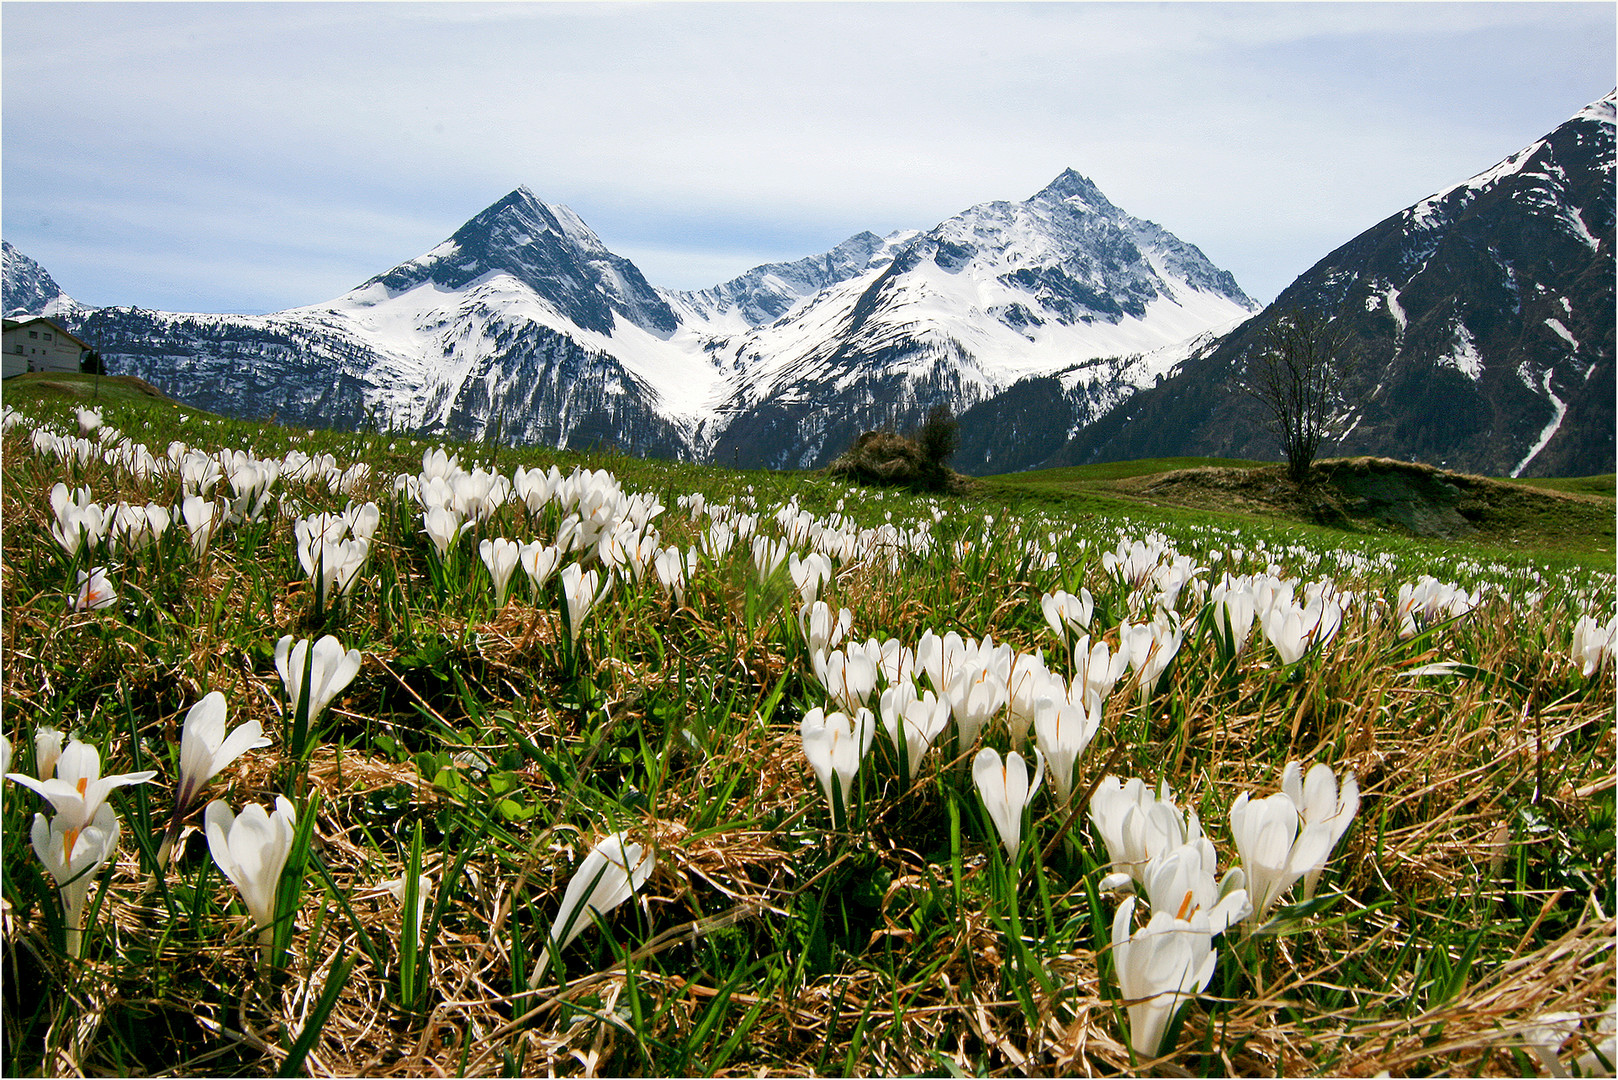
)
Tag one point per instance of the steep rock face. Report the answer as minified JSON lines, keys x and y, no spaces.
{"x":541,"y":387}
{"x":1478,"y":328}
{"x":256,"y":367}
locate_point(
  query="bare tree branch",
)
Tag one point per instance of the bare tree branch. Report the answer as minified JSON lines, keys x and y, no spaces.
{"x":1296,"y":373}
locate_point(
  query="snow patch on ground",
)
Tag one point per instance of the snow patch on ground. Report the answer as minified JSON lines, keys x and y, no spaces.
{"x":1463,"y":354}
{"x":1394,"y":308}
{"x":1580,"y":229}
{"x":1562,"y":332}
{"x":1550,"y":429}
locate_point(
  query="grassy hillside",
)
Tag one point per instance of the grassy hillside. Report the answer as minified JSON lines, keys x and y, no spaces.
{"x":780,"y":885}
{"x":1553,"y":519}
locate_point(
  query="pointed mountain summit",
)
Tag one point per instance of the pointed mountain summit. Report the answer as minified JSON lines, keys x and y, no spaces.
{"x":29,"y":290}
{"x":550,"y":250}
{"x":1000,"y":292}
{"x":1479,"y":329}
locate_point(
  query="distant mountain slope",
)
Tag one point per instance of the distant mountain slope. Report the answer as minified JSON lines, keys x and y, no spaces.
{"x":767,"y":292}
{"x":1479,"y":326}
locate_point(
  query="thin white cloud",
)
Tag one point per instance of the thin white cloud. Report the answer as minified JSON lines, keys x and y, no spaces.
{"x":360,"y":135}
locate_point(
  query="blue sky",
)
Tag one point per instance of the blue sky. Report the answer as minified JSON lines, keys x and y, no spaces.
{"x":252,"y":157}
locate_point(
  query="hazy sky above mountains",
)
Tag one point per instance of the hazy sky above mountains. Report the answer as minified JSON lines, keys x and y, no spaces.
{"x":252,"y":157}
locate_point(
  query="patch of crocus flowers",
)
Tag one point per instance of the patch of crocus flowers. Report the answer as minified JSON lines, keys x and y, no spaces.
{"x":1157,"y":853}
{"x":250,"y":848}
{"x":948,"y":691}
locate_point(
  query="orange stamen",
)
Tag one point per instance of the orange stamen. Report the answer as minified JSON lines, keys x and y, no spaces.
{"x":1186,"y":906}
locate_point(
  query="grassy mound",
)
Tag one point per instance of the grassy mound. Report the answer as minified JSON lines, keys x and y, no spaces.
{"x":1371,"y":493}
{"x":81,"y":389}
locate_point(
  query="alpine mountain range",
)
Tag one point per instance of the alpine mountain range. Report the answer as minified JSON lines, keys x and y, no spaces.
{"x":1479,"y":327}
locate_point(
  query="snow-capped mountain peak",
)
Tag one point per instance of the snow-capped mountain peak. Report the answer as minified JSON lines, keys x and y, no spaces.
{"x":1000,"y":292}
{"x":766,"y":293}
{"x":30,"y":290}
{"x":551,"y":251}
{"x":1076,"y":191}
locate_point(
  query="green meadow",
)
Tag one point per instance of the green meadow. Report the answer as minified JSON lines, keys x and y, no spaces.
{"x":771,"y":920}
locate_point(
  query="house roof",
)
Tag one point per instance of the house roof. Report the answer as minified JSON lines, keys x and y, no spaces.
{"x":40,"y":320}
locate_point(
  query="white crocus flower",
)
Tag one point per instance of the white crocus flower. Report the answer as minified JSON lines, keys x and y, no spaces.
{"x":538,"y":561}
{"x":47,"y":750}
{"x":79,"y":521}
{"x":1006,"y":787}
{"x":1150,"y":647}
{"x":1068,"y":614}
{"x":1160,"y":967}
{"x":1096,"y":669}
{"x":1136,"y":827}
{"x":325,"y":667}
{"x":95,"y":590}
{"x":442,"y":525}
{"x":913,"y":722}
{"x":251,"y":849}
{"x":1181,"y":881}
{"x":198,"y":514}
{"x":500,"y":556}
{"x":768,"y":555}
{"x":822,"y":630}
{"x":975,"y":696}
{"x":1321,"y":803}
{"x":1233,"y":613}
{"x":940,"y":658}
{"x":581,"y":590}
{"x":809,"y":574}
{"x":1593,"y":643}
{"x":1290,"y":834}
{"x":1031,"y":682}
{"x":78,"y":790}
{"x":424,"y":887}
{"x":670,"y":567}
{"x":835,"y":744}
{"x":614,"y":870}
{"x":72,"y":853}
{"x":1062,"y":731}
{"x":329,"y":555}
{"x":205,"y":748}
{"x":849,"y":677}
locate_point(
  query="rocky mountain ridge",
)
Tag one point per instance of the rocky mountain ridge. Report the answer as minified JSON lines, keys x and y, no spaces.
{"x":523,"y":326}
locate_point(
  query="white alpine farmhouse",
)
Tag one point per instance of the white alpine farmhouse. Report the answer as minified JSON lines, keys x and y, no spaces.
{"x":35,"y":343}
